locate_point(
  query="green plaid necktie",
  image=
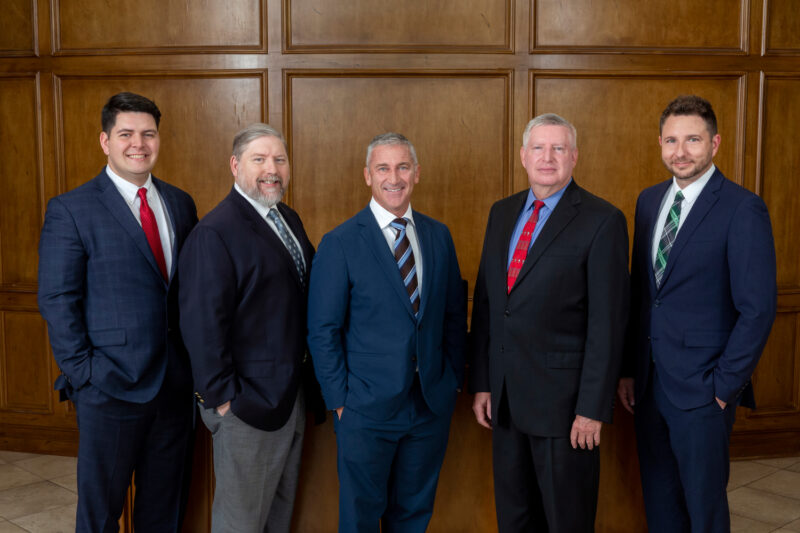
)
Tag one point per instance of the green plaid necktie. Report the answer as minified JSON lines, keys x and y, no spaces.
{"x":668,"y":237}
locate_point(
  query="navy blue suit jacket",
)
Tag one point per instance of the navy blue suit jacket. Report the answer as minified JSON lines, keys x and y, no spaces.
{"x":363,"y":336}
{"x":112,"y":319}
{"x":709,"y":321}
{"x":243,"y":312}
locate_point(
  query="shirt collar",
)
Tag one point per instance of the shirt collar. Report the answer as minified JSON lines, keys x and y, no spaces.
{"x":128,"y":190}
{"x":550,"y":202}
{"x":261,"y":209}
{"x":693,"y":190}
{"x":384,"y":217}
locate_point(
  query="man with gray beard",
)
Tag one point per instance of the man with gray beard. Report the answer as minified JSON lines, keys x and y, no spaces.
{"x":243,"y":319}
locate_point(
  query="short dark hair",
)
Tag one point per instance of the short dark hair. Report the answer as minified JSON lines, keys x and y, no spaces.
{"x":690,"y":105}
{"x":127,"y":102}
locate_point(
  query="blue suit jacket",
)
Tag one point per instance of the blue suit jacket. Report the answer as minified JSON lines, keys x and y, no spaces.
{"x":112,"y":319}
{"x":707,"y":324}
{"x":243,"y":312}
{"x":363,"y":336}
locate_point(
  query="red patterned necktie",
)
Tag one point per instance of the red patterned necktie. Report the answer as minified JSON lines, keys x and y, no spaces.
{"x":150,"y":228}
{"x":521,"y":250}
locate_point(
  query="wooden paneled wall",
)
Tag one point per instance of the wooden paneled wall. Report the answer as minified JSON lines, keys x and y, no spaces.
{"x":460,"y":78}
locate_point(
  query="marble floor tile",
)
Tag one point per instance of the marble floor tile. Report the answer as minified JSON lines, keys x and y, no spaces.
{"x":780,"y":462}
{"x":69,"y":482}
{"x":794,"y":526}
{"x":33,"y":498}
{"x":49,"y":466}
{"x":744,"y":472}
{"x":12,"y":476}
{"x":8,"y":527}
{"x":794,"y":467}
{"x":763,"y":506}
{"x":781,"y":482}
{"x":11,"y":457}
{"x":57,"y":520}
{"x":740,"y":524}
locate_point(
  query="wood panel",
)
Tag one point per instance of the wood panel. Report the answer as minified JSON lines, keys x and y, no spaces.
{"x":25,"y":368}
{"x":782,"y":27}
{"x":775,"y":379}
{"x":20,"y":181}
{"x":376,"y":25}
{"x":462,"y":146}
{"x":196,"y":137}
{"x":779,"y":168}
{"x":102,"y":27}
{"x":680,"y":25}
{"x":17,"y":28}
{"x":617,"y":118}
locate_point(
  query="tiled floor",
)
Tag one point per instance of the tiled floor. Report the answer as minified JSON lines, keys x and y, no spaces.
{"x":38,"y":494}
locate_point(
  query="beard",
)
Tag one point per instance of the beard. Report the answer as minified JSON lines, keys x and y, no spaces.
{"x":269,"y":199}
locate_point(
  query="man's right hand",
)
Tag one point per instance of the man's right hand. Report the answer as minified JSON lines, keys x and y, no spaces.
{"x":625,"y":392}
{"x":482,"y":407}
{"x":224,"y":408}
{"x":339,"y":411}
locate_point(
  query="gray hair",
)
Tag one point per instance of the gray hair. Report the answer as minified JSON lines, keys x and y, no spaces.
{"x":550,"y":119}
{"x":391,"y":138}
{"x":250,"y":134}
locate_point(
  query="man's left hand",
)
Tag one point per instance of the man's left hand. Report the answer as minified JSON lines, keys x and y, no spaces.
{"x":585,"y":432}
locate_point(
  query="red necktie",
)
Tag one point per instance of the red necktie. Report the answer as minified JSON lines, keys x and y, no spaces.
{"x":150,"y":228}
{"x":521,"y":250}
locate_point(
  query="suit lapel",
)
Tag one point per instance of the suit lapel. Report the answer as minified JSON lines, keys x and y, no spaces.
{"x":172,"y":213}
{"x":565,"y":211}
{"x":425,"y":241}
{"x":261,"y":228}
{"x":376,"y":243}
{"x":502,"y":240}
{"x":651,"y":210}
{"x":113,"y":201}
{"x":708,"y":197}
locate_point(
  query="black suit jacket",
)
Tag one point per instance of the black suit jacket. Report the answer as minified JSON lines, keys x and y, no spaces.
{"x":553,"y":345}
{"x":243,"y":312}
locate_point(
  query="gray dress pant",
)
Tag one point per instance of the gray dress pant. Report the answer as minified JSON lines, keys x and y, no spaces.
{"x":256,"y":472}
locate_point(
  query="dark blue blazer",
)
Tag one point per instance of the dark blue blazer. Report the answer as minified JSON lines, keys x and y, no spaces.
{"x":707,"y":324}
{"x":112,"y":319}
{"x":363,"y":336}
{"x":243,"y":312}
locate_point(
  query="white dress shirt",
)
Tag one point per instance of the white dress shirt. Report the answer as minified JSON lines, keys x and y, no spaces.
{"x":384,"y":218}
{"x":263,"y":211}
{"x":690,"y":194}
{"x":130,"y":193}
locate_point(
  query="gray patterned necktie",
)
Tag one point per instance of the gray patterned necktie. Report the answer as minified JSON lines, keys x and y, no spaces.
{"x":668,"y":237}
{"x":288,"y":241}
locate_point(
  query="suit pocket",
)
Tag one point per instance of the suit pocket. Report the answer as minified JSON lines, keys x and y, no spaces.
{"x":107,"y":337}
{"x":263,"y":368}
{"x":564,"y":359}
{"x":706,"y":338}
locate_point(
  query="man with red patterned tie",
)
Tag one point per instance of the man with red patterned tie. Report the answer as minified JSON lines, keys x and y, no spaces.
{"x":548,"y":322}
{"x":108,"y":290}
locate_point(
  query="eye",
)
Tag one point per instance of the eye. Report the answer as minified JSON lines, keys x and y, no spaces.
{"x":258,"y":160}
{"x":404,"y":167}
{"x":558,"y":148}
{"x":280,"y":160}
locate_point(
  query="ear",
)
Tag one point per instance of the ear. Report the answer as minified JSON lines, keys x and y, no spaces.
{"x":715,"y":141}
{"x":234,"y":166}
{"x":367,"y":177}
{"x":104,"y":142}
{"x":416,"y":175}
{"x":522,"y":156}
{"x":660,"y":141}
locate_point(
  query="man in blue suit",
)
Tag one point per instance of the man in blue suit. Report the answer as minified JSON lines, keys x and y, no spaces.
{"x":703,"y":302}
{"x":108,"y":290}
{"x":387,"y":321}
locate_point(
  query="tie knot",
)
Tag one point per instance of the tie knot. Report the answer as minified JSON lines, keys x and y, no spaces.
{"x":537,"y":204}
{"x":142,"y":194}
{"x":272,"y":214}
{"x":679,"y":196}
{"x":399,"y":222}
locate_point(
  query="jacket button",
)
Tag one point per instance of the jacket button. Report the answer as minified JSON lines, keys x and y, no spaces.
{"x":507,"y":313}
{"x":413,"y":358}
